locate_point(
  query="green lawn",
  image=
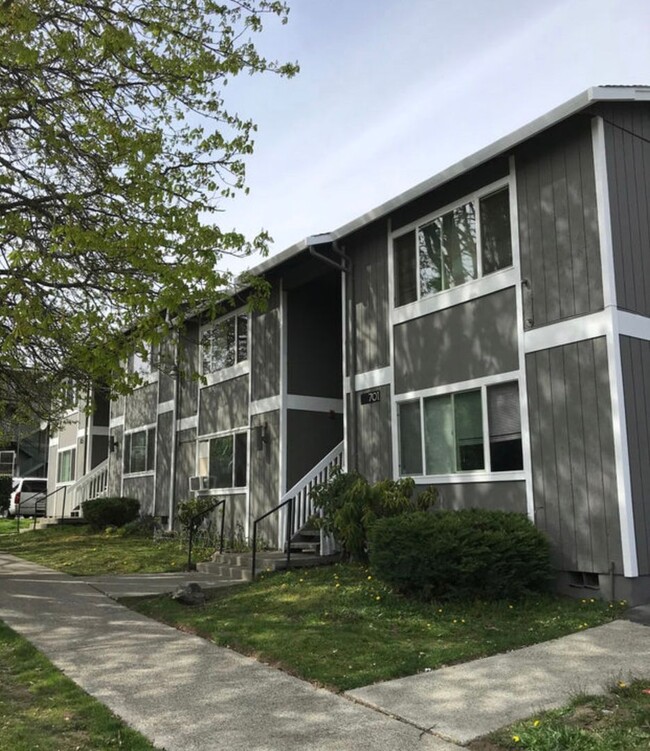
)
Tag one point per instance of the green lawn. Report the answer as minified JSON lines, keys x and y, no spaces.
{"x":340,"y":627}
{"x":619,"y":721}
{"x":8,"y":526}
{"x":75,"y":550}
{"x":42,"y":709}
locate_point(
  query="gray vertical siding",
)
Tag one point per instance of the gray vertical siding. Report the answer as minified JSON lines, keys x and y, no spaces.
{"x":142,"y":488}
{"x":189,"y":365}
{"x":310,"y":437}
{"x":223,"y":406}
{"x":374,"y":441}
{"x":369,"y":251}
{"x":265,"y":348}
{"x":471,"y":340}
{"x":164,"y":445}
{"x":167,"y":356}
{"x":314,"y":342}
{"x":573,"y":462}
{"x":635,"y":355}
{"x":141,"y":407}
{"x":264,"y":474}
{"x":627,"y":132}
{"x":499,"y":496}
{"x":558,"y":226}
{"x":115,"y":465}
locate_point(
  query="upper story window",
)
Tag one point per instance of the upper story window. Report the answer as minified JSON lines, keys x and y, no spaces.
{"x":225,"y":344}
{"x":141,"y":361}
{"x":466,"y":242}
{"x":447,"y":434}
{"x":70,"y":395}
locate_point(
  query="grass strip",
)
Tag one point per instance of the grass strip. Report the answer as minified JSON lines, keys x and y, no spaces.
{"x":42,"y":709}
{"x":340,"y":627}
{"x":618,"y":721}
{"x":80,"y":552}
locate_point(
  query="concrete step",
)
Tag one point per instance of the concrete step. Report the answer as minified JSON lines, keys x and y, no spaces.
{"x":240,"y":573}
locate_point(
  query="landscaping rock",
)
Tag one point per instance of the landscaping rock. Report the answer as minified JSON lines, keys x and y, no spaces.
{"x":190,"y":594}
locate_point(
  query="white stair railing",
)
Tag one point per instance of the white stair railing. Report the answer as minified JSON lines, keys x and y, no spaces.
{"x":92,"y":485}
{"x":303,"y":506}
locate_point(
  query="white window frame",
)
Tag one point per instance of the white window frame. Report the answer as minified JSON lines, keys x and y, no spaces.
{"x":141,"y":429}
{"x":144,"y":368}
{"x":232,"y":371}
{"x":232,"y":490}
{"x":65,"y":450}
{"x":482,"y":285}
{"x":462,"y":476}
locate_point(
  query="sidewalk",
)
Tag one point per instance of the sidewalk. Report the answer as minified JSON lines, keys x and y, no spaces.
{"x":187,"y":694}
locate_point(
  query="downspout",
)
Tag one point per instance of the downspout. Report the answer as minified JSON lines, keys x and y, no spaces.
{"x":344,"y":265}
{"x":172,"y":466}
{"x":86,"y":431}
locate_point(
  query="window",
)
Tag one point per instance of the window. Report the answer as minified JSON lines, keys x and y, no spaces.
{"x":446,"y":433}
{"x":65,"y":470}
{"x":468,"y":242}
{"x":139,"y":451}
{"x":69,"y":394}
{"x":223,"y":460}
{"x":142,"y":360}
{"x":7,"y":462}
{"x":225,"y":344}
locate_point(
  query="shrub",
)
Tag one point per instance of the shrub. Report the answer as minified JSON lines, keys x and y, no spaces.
{"x":5,"y":492}
{"x":142,"y":526}
{"x":350,"y":506}
{"x":110,"y":512}
{"x":460,"y":554}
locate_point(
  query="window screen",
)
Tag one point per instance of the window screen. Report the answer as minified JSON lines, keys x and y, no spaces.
{"x":505,"y":427}
{"x":410,"y":439}
{"x":405,"y":269}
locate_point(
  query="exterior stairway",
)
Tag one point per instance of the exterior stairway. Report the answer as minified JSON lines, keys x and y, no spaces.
{"x":239,"y":565}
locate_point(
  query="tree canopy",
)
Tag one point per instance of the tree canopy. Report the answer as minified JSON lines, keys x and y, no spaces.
{"x":117,"y":151}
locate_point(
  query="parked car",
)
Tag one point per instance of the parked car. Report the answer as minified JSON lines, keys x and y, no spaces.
{"x":26,"y":492}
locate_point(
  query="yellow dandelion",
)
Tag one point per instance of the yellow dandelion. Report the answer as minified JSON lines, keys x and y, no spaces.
{"x":337,"y":584}
{"x":536,"y":723}
{"x":622,"y":684}
{"x":378,"y":597}
{"x":516,"y":738}
{"x":369,"y":578}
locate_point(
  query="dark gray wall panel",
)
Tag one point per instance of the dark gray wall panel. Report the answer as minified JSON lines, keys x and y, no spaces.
{"x":99,"y":450}
{"x":224,"y":406}
{"x":141,"y":407}
{"x":185,"y":463}
{"x":471,"y":340}
{"x":628,"y":170}
{"x":266,"y":345}
{"x":493,"y":496}
{"x":314,"y":338}
{"x":310,"y":437}
{"x":264,"y":478}
{"x":167,"y":357}
{"x":374,"y":442}
{"x":452,"y":191}
{"x":141,"y":488}
{"x":188,"y":367}
{"x":635,"y":355}
{"x":573,"y":462}
{"x":558,"y":225}
{"x":164,"y":443}
{"x":117,"y":406}
{"x":369,"y":251}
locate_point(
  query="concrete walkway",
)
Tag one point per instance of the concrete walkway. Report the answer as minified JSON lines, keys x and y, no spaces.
{"x":187,"y":694}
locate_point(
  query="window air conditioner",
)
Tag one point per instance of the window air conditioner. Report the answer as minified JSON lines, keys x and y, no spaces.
{"x":199,"y":482}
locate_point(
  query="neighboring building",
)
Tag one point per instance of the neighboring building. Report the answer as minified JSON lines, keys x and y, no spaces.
{"x":486,"y":332}
{"x":26,"y":454}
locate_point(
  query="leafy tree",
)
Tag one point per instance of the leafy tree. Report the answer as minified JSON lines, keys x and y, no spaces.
{"x":117,"y":151}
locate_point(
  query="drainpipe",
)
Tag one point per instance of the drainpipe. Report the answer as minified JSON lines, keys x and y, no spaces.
{"x":172,"y":465}
{"x":345,"y":266}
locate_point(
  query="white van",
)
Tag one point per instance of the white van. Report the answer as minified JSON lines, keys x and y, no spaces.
{"x":27,"y":496}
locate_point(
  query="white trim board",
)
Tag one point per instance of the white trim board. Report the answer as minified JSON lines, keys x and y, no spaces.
{"x":633,"y":325}
{"x":167,"y":406}
{"x":572,"y":330}
{"x":268,"y":404}
{"x":617,"y":394}
{"x":187,"y":423}
{"x":313,"y":403}
{"x":371,"y":379}
{"x":117,"y":422}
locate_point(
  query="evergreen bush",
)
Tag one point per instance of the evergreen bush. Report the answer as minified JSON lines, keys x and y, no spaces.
{"x":460,"y":554}
{"x":350,"y":506}
{"x":110,"y":512}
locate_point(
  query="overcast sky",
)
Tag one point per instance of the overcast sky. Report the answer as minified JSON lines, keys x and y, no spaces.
{"x":393,"y":91}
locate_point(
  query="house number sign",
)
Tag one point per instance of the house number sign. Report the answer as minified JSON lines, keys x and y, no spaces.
{"x":371,"y":397}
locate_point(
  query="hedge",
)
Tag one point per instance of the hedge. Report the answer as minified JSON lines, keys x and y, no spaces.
{"x":110,"y":512}
{"x":460,"y":554}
